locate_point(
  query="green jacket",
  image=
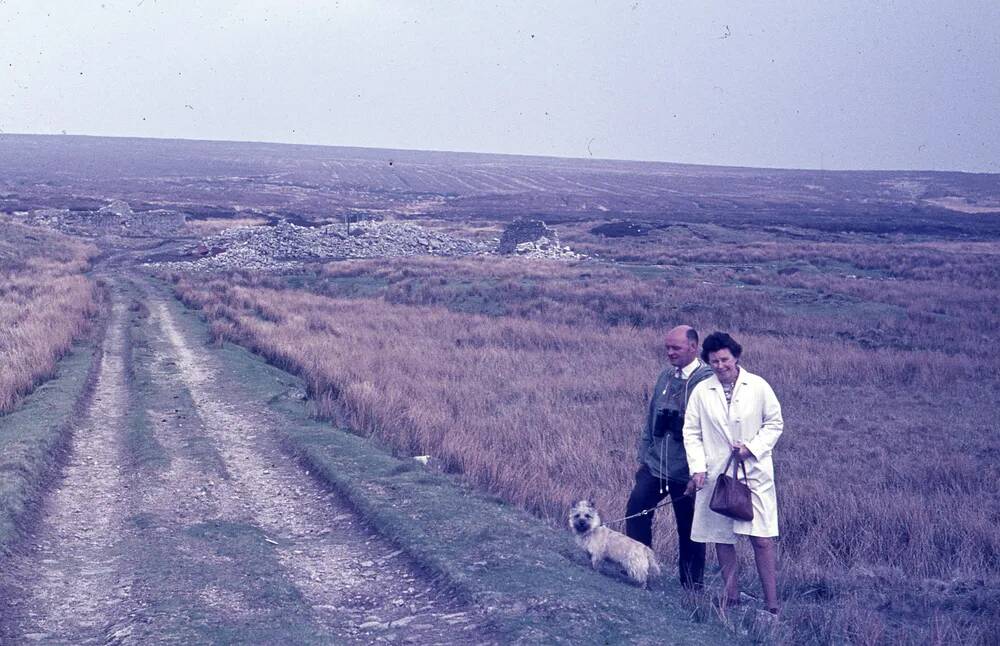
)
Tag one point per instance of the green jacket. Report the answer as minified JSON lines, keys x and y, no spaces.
{"x":664,"y":456}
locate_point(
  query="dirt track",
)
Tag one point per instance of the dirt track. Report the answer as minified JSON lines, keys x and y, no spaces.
{"x":178,"y":518}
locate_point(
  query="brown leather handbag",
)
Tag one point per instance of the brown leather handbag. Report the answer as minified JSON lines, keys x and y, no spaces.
{"x":731,"y":497}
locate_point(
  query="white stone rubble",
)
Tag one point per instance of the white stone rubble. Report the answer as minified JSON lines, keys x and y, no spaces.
{"x":546,"y":249}
{"x":287,"y":247}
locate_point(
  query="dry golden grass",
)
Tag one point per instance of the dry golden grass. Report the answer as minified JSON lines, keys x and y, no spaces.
{"x":45,"y":305}
{"x":531,"y":380}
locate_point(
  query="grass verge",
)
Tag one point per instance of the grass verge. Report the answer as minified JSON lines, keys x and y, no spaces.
{"x":34,"y":439}
{"x":537,"y":399}
{"x":530,"y":578}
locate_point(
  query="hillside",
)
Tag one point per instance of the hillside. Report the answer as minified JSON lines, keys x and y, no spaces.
{"x":312,"y":183}
{"x":501,"y":318}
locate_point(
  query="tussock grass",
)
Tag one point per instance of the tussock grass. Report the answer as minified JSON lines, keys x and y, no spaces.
{"x":45,"y":305}
{"x":531,"y":380}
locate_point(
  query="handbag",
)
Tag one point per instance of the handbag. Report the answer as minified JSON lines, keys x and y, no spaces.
{"x":731,"y":497}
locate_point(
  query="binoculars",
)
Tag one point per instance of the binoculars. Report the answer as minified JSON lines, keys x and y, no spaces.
{"x":668,"y":421}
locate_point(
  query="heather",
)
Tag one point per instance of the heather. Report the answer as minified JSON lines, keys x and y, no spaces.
{"x":530,"y":380}
{"x":47,"y":304}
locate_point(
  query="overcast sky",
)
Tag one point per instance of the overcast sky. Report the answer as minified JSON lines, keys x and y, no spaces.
{"x":911,"y":84}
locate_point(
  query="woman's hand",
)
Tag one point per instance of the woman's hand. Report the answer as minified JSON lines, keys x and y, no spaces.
{"x":696,"y":483}
{"x":742,"y":452}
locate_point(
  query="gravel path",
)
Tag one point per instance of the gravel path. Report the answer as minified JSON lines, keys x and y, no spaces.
{"x":222,"y":538}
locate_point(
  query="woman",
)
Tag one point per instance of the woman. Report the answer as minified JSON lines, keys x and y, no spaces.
{"x":734,"y":411}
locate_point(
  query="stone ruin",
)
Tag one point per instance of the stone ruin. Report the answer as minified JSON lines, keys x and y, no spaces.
{"x":116,"y":209}
{"x":523,"y":230}
{"x":533,"y":239}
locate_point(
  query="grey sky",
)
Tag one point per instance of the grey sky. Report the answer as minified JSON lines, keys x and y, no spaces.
{"x":843,"y":84}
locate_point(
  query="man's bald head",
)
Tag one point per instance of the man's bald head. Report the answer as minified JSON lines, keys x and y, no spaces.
{"x":682,"y":345}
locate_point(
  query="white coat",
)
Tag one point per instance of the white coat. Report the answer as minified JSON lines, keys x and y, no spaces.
{"x":711,"y":427}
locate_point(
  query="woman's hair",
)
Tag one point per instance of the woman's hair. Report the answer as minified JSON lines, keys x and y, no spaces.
{"x":719,"y":341}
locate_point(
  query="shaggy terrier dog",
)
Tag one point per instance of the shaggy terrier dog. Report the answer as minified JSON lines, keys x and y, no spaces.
{"x":602,"y":543}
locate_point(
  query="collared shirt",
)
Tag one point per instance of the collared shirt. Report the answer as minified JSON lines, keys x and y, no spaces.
{"x":689,"y":368}
{"x":685,"y":374}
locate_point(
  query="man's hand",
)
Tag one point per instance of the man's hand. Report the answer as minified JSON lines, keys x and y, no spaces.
{"x":696,"y":483}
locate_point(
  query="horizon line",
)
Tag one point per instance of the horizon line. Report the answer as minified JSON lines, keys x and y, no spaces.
{"x":498,"y":154}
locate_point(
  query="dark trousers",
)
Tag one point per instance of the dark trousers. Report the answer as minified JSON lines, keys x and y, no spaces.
{"x":646,"y":494}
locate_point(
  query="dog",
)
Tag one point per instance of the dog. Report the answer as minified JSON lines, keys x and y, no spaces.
{"x":603,"y":543}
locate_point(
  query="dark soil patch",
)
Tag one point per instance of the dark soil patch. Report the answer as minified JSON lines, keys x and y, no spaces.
{"x":621,"y":229}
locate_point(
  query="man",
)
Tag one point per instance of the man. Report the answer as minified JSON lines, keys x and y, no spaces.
{"x":664,"y":469}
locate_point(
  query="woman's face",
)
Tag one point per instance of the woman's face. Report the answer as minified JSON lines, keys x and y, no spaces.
{"x":724,"y":364}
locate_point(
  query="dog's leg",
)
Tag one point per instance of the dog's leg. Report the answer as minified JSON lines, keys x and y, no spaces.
{"x":654,"y":564}
{"x":638,"y":571}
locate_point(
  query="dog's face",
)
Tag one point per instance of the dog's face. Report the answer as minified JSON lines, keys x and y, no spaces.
{"x":583,"y":517}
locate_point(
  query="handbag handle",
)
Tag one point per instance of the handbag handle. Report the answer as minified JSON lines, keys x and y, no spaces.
{"x":736,"y":465}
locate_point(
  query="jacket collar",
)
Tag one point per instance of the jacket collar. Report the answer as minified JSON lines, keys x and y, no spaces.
{"x":742,"y":378}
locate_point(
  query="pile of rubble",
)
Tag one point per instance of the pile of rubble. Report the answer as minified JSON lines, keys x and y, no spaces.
{"x":546,"y":249}
{"x":286,"y":246}
{"x":115,"y":218}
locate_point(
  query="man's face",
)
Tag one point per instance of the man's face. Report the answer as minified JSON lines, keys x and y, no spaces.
{"x":680,"y":351}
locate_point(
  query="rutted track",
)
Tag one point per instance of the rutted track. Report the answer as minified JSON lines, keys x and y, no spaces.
{"x":179,"y":519}
{"x":70,"y":581}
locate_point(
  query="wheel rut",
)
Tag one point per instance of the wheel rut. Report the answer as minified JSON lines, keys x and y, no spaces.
{"x":179,"y":519}
{"x":69,"y":581}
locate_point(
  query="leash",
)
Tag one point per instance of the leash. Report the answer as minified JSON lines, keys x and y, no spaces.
{"x":668,"y":501}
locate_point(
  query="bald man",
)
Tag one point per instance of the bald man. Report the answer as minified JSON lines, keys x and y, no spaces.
{"x":663,"y":469}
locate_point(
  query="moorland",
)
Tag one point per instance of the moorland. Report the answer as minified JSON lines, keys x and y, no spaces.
{"x":867,"y":299}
